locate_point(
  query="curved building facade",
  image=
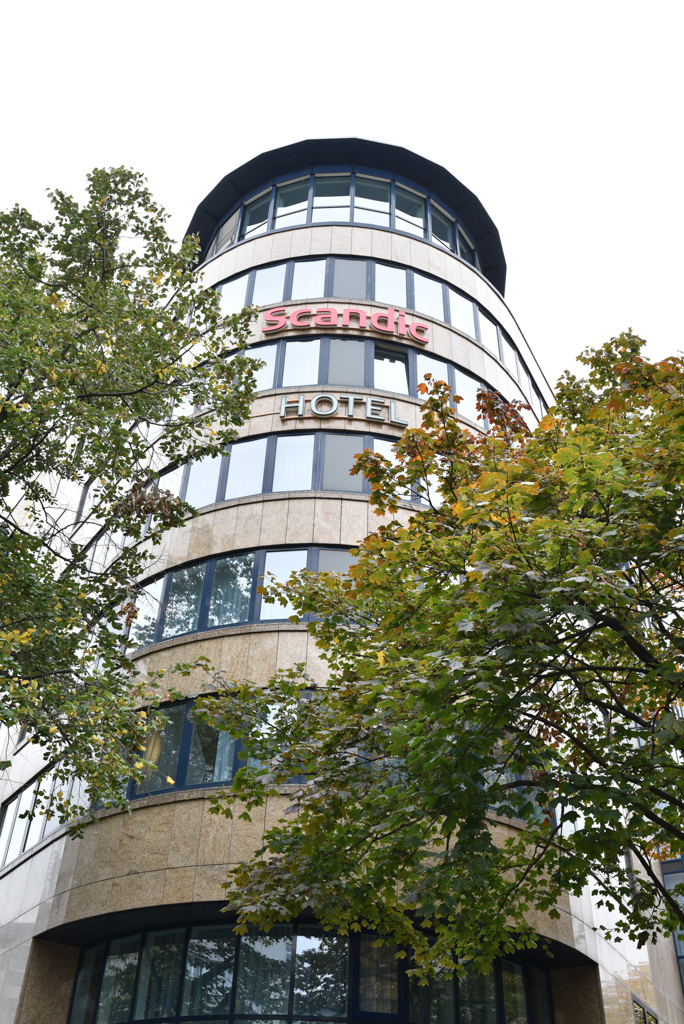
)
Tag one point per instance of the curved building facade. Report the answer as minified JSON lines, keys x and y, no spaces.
{"x":371,"y":267}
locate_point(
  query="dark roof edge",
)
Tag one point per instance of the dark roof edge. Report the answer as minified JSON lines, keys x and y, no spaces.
{"x":362,"y":152}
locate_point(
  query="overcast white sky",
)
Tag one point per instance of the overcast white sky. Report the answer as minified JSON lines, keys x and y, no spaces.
{"x":564,"y":118}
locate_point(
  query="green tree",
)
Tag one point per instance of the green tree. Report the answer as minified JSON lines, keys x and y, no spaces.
{"x":108,"y":344}
{"x":502,"y":722}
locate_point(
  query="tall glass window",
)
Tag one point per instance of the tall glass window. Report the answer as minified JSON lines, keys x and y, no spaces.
{"x":428,"y":364}
{"x":466,"y":249}
{"x":488,"y":334}
{"x":293,"y":463}
{"x":268,"y":285}
{"x":347,"y":361}
{"x":8,"y":815}
{"x":340,"y":452}
{"x":16,"y":840}
{"x":432,"y":1003}
{"x":246,"y":468}
{"x":308,"y":281}
{"x":390,"y":285}
{"x":391,"y":370}
{"x":513,"y":983}
{"x":183,"y":602}
{"x":233,"y":295}
{"x":211,"y":757}
{"x":462,"y":313}
{"x":291,"y":203}
{"x":147,"y":600}
{"x":467,"y":387}
{"x":263,"y":981}
{"x":477,"y":998}
{"x":227,"y":232}
{"x":321,"y":968}
{"x":160,"y":969}
{"x":255,"y":216}
{"x":349,"y":279}
{"x":442,"y":227}
{"x":331,"y":198}
{"x":335,"y":561}
{"x":231,"y":590}
{"x":118,"y":981}
{"x":378,"y":977}
{"x":203,"y":481}
{"x":429,"y":298}
{"x":301,"y":363}
{"x":509,"y":354}
{"x":372,"y":201}
{"x":209,"y":970}
{"x":410,"y":212}
{"x":280,"y":565}
{"x":263,"y":377}
{"x":163,"y":750}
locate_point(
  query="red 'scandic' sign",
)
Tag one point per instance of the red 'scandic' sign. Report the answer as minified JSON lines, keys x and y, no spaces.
{"x":388,"y":321}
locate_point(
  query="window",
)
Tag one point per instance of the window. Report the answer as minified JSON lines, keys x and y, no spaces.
{"x":280,"y":565}
{"x":428,"y":296}
{"x":269,"y":283}
{"x":255,"y":216}
{"x":233,"y":295}
{"x":231,"y":590}
{"x":331,"y":198}
{"x":335,"y":561}
{"x":390,"y":285}
{"x":148,"y":601}
{"x":466,"y":249}
{"x":292,"y":201}
{"x":467,"y":387}
{"x":347,"y":361}
{"x":202,"y":486}
{"x":308,"y":281}
{"x":301,"y":362}
{"x":293,"y":463}
{"x":338,"y":460}
{"x":488,"y":334}
{"x":410,"y":212}
{"x":428,"y":364}
{"x":372,"y":201}
{"x":391,"y":370}
{"x":227,"y":232}
{"x":183,"y":601}
{"x":349,"y":279}
{"x":509,"y":355}
{"x":246,"y":468}
{"x":263,"y":377}
{"x":163,"y":750}
{"x":442,"y":227}
{"x":462,"y":313}
{"x":296,"y":971}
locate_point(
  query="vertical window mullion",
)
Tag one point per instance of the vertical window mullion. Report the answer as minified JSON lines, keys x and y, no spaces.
{"x":136,"y":982}
{"x":182,"y":490}
{"x":184,"y":749}
{"x":255,"y":599}
{"x":445,"y":302}
{"x":369,"y":360}
{"x":251,"y":278}
{"x":318,"y":461}
{"x":271,"y":210}
{"x":478,"y":333}
{"x":367,"y":443}
{"x":428,"y":217}
{"x":393,"y":204}
{"x":223,"y":474}
{"x":352,"y":196}
{"x":289,"y":275}
{"x":371,"y":280}
{"x":329,"y":274}
{"x":410,"y":290}
{"x":15,"y":809}
{"x":323,"y":361}
{"x":279,"y":363}
{"x":309,"y":206}
{"x":412,"y":372}
{"x":312,"y":560}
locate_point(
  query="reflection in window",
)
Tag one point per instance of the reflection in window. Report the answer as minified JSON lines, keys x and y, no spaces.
{"x":477,"y":999}
{"x":410,"y":212}
{"x":162,"y":749}
{"x":432,"y":1003}
{"x":331,"y":198}
{"x":291,"y":204}
{"x":390,"y":285}
{"x":209,"y":970}
{"x":212,"y":755}
{"x":172,"y":481}
{"x":462,"y":313}
{"x":372,"y":201}
{"x":268,"y":285}
{"x":509,"y":356}
{"x":160,"y":968}
{"x":308,"y":281}
{"x":335,"y":561}
{"x":293,"y":463}
{"x":467,"y":387}
{"x":515,"y":1010}
{"x":119,"y":980}
{"x":301,"y":363}
{"x":263,"y":377}
{"x":321,"y":967}
{"x":246,"y":468}
{"x":488,"y":334}
{"x":231,"y":590}
{"x":87,"y":987}
{"x":378,"y":977}
{"x":233,"y":295}
{"x":347,"y":362}
{"x":263,"y":981}
{"x":147,"y":601}
{"x":203,"y":481}
{"x":442,"y":228}
{"x":255,"y":216}
{"x":16,"y":814}
{"x":428,"y":296}
{"x":349,"y":279}
{"x":340,"y":453}
{"x":183,"y":602}
{"x":540,"y":997}
{"x":280,"y":565}
{"x":391,"y":370}
{"x":466,"y":249}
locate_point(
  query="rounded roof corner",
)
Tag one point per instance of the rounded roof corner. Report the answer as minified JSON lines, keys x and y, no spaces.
{"x":300,"y":156}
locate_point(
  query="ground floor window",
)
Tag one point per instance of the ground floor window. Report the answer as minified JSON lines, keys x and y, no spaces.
{"x":294,"y":974}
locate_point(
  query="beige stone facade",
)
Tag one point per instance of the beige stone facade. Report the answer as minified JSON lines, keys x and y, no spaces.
{"x":168,"y":856}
